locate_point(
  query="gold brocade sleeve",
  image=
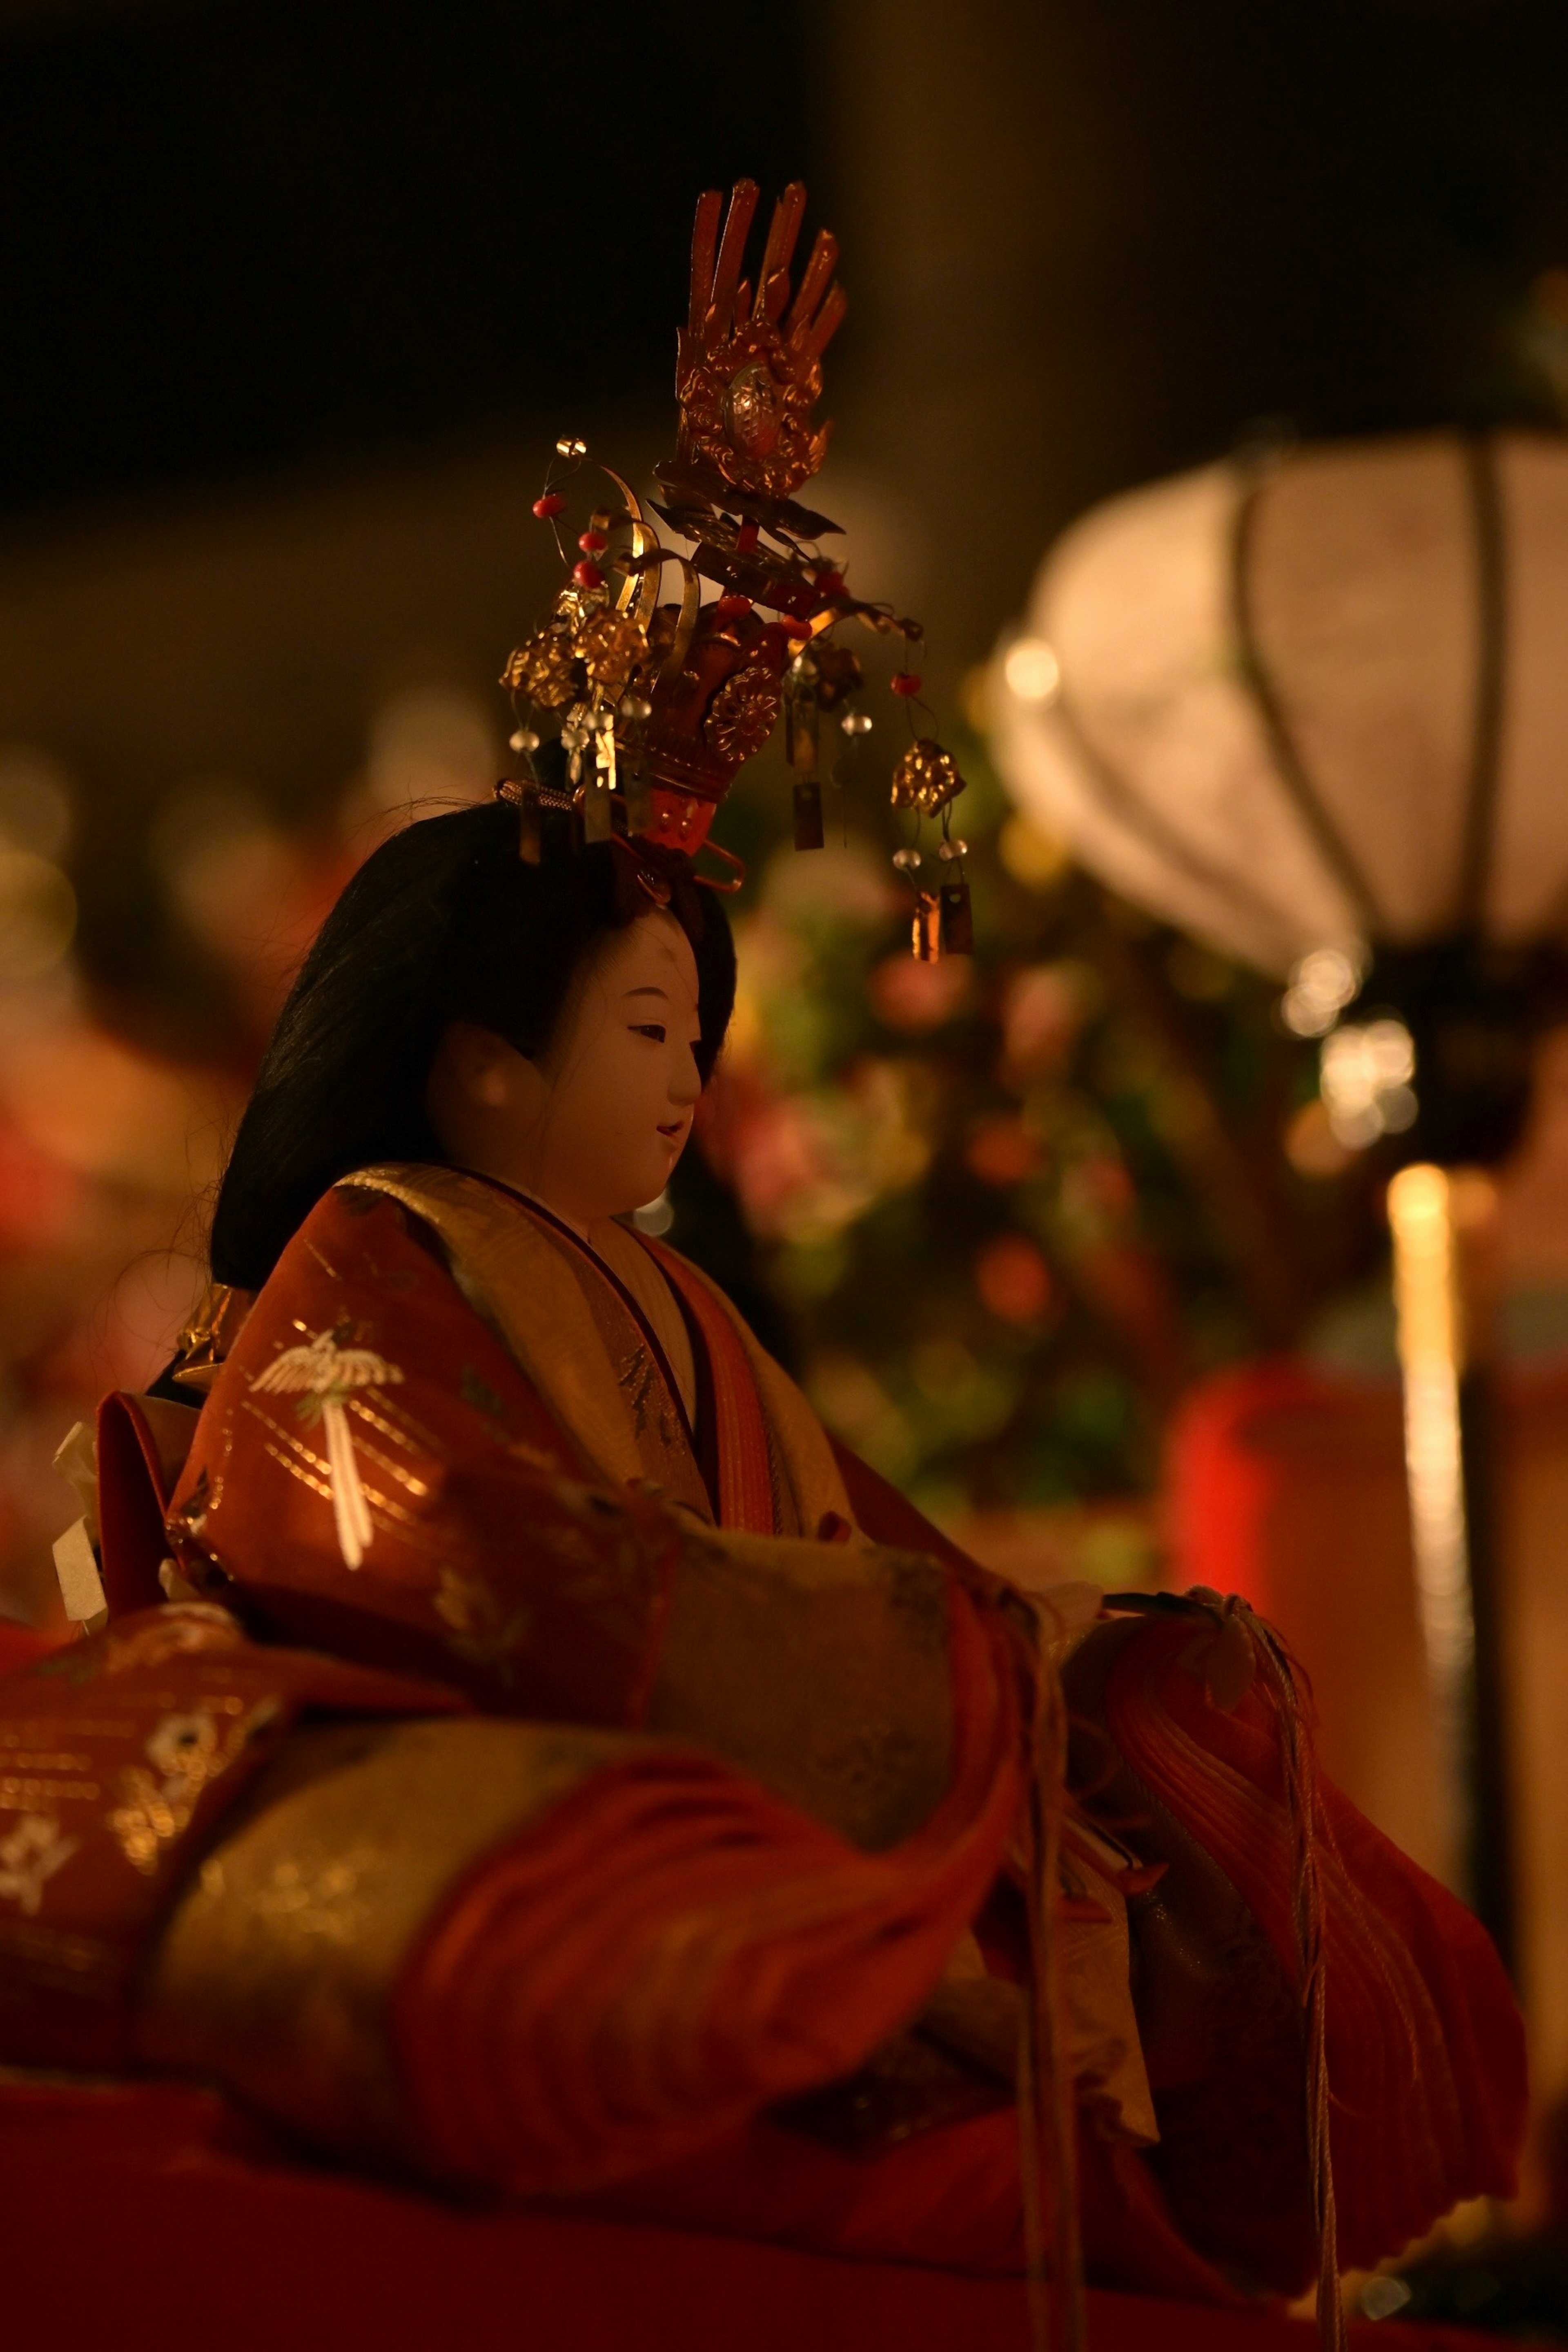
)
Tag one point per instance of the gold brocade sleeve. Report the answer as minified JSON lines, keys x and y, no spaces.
{"x":824,"y":1670}
{"x":545,"y":1958}
{"x":277,"y":1973}
{"x":538,"y":1958}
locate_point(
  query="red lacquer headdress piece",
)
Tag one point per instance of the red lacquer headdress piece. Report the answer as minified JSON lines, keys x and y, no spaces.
{"x":660,"y":703}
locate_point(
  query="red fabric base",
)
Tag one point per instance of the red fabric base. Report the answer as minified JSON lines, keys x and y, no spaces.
{"x":138,"y":2217}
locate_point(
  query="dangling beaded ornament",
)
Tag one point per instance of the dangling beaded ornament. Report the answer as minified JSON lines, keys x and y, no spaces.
{"x":957,"y":920}
{"x":803,"y":680}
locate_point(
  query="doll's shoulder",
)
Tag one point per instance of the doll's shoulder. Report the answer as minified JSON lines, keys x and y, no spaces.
{"x":362,"y":1247}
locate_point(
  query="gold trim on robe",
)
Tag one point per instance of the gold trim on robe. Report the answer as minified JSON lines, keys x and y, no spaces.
{"x":566,"y":1326}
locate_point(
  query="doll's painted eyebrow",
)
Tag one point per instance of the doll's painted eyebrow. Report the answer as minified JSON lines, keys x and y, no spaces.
{"x":650,"y":991}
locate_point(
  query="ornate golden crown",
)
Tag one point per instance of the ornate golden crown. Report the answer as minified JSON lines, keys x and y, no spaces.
{"x":659,"y":704}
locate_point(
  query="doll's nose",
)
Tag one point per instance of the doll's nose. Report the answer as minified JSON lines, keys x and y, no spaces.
{"x":685,"y":1081}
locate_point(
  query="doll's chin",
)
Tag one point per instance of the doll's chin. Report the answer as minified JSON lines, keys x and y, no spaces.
{"x":658,"y":1175}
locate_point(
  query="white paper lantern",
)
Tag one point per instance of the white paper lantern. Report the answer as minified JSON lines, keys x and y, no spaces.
{"x":1312,"y":702}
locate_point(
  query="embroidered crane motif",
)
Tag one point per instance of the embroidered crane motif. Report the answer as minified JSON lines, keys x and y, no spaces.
{"x":323,"y":1376}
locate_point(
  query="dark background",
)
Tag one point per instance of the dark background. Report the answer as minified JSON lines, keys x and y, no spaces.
{"x":295,"y":296}
{"x":247,"y":238}
{"x":241,"y":237}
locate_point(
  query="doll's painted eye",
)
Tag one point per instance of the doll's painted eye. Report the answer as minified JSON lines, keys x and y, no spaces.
{"x":655,"y":1029}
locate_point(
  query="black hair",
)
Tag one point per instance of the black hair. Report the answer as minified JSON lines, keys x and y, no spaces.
{"x":443,"y":923}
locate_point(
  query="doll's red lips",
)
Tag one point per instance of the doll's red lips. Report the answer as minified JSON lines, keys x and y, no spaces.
{"x":675,"y":1128}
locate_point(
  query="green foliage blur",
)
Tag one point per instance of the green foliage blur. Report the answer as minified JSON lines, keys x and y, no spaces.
{"x":1000,"y":1211}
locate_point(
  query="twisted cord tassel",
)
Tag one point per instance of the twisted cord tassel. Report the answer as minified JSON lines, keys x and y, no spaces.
{"x":1299,"y":1763}
{"x":1048,"y":2144}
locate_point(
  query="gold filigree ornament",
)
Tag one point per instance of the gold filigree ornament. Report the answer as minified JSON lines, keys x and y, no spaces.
{"x":660,"y":699}
{"x":749,"y":371}
{"x":743,"y":714}
{"x":213,"y":1328}
{"x":543,"y":669}
{"x":324,"y":1376}
{"x":612,"y":647}
{"x":926,"y":778}
{"x":184,"y":1752}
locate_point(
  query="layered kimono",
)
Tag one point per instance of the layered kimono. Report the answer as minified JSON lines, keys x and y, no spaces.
{"x":526,"y":1754}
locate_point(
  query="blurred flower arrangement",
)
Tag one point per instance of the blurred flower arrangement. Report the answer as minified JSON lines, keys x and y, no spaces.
{"x":1006,"y":1207}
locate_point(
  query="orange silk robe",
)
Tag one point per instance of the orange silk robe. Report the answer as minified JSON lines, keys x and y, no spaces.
{"x":744,"y":1799}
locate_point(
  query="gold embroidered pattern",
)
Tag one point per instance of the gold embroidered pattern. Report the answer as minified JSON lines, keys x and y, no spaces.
{"x":18,"y":1789}
{"x":294,"y":1449}
{"x":408,"y":1480}
{"x":398,"y":1425}
{"x":322,"y":1905}
{"x":324,"y":1375}
{"x":561,"y":1316}
{"x":34,"y":1850}
{"x":645,"y":1393}
{"x":297,"y":1470}
{"x":185,"y":1753}
{"x":292,"y":1455}
{"x":184,"y":1630}
{"x":482,"y":1630}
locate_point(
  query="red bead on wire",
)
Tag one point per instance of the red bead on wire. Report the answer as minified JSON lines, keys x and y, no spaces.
{"x":593,"y":542}
{"x":550,"y":504}
{"x":829,"y":582}
{"x":905,"y":682}
{"x":586,"y":574}
{"x":732,"y":607}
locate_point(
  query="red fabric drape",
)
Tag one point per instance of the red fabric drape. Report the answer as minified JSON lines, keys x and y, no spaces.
{"x":672,"y":1949}
{"x":136,"y":2218}
{"x":132,"y":1500}
{"x":1425,"y":2046}
{"x":477,"y":1575}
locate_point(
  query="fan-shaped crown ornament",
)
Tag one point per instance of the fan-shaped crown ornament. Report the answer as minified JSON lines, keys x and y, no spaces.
{"x":659,"y":703}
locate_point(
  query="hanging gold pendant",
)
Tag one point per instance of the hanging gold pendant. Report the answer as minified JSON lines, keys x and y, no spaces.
{"x":808,"y":813}
{"x":957,"y":921}
{"x":639,"y":801}
{"x":927,"y":928}
{"x":597,"y":822}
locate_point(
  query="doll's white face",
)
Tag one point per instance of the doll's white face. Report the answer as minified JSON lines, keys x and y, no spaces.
{"x":593,"y":1126}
